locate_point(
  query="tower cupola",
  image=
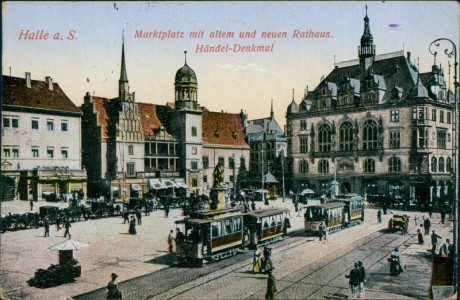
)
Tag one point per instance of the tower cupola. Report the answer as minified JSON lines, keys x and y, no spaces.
{"x":186,"y":87}
{"x":366,"y":50}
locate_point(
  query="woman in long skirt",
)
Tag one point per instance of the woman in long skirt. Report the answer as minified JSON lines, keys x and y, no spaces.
{"x":132,"y":225}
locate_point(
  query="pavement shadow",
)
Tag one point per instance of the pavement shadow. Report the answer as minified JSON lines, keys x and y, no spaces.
{"x":336,"y":296}
{"x":167,"y":259}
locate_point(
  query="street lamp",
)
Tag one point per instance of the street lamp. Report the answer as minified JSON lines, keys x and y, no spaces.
{"x":451,"y":50}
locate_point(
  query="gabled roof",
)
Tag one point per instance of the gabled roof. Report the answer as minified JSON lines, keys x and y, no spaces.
{"x":221,"y":128}
{"x":16,"y":93}
{"x":148,"y":117}
{"x":98,"y":104}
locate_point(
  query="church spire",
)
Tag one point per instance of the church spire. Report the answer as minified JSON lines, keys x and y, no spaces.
{"x":123,"y":74}
{"x":367,"y":48}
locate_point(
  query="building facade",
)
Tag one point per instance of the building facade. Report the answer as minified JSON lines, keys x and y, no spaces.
{"x":375,"y":126}
{"x":41,"y":140}
{"x":131,"y":147}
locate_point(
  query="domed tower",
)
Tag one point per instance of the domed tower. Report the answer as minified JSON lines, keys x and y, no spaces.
{"x":366,"y":50}
{"x":187,"y":126}
{"x":186,"y":87}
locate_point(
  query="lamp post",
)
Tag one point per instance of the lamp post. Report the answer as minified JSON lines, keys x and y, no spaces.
{"x":451,"y":50}
{"x":282,"y":170}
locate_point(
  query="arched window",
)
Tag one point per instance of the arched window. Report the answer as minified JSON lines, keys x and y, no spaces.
{"x":303,"y":167}
{"x":449,"y":165}
{"x":434,"y":164}
{"x":441,"y":165}
{"x":370,"y":137}
{"x":369,"y":166}
{"x":395,"y":189}
{"x":323,"y":166}
{"x":324,"y":138}
{"x":346,"y":136}
{"x":394,"y":165}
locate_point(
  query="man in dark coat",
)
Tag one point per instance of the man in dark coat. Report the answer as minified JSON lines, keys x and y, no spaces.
{"x":139,"y":216}
{"x":67,"y":228}
{"x":271,"y":286}
{"x":355,"y":277}
{"x":125,"y":216}
{"x":47,"y":227}
{"x":427,"y":225}
{"x":434,"y":242}
{"x":362,"y":279}
{"x":32,"y":205}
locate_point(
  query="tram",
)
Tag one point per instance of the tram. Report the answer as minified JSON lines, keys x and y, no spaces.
{"x":345,"y":210}
{"x":217,"y":234}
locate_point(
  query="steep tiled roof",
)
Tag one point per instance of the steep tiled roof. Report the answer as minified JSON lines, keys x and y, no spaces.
{"x":148,"y":117}
{"x":16,"y":93}
{"x":223,"y":129}
{"x":99,"y":108}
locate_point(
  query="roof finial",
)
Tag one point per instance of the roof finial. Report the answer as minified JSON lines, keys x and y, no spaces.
{"x":185,"y":52}
{"x":292,"y":94}
{"x":435,"y":57}
{"x":366,"y":10}
{"x":271,"y":110}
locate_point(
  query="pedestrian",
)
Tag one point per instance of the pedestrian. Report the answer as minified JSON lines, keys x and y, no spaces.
{"x":427,"y":225}
{"x":67,"y":228}
{"x":362,"y":279}
{"x":47,"y":226}
{"x":132,"y":226}
{"x":257,"y":261}
{"x":171,"y":241}
{"x":354,"y":277}
{"x":287,"y":224}
{"x":444,"y":249}
{"x":139,"y":216}
{"x":420,"y":236}
{"x":125,"y":216}
{"x":434,"y":242}
{"x":384,"y":207}
{"x":443,"y":216}
{"x":430,"y":210}
{"x":32,"y":205}
{"x":58,"y":223}
{"x":415,"y":220}
{"x":325,"y":233}
{"x":113,"y":292}
{"x":322,"y":228}
{"x":179,"y":237}
{"x":271,"y":286}
{"x":253,"y":205}
{"x":37,"y":219}
{"x":166,"y":210}
{"x":379,"y":216}
{"x":390,"y":225}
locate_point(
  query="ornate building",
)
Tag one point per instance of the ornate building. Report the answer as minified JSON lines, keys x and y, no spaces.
{"x":40,"y":141}
{"x":130,"y":147}
{"x":376,"y":125}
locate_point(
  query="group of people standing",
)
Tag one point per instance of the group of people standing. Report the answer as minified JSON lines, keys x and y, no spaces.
{"x":67,"y":225}
{"x":357,"y":277}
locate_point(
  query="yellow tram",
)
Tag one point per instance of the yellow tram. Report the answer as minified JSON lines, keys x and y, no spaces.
{"x":265,"y":226}
{"x":331,"y":213}
{"x":354,"y":208}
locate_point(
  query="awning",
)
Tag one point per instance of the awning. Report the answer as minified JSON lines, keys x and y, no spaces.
{"x":115,"y":188}
{"x":181,"y":185}
{"x":307,"y":191}
{"x":68,"y":245}
{"x":135,"y":187}
{"x":169,"y":183}
{"x":156,"y":184}
{"x":269,"y":178}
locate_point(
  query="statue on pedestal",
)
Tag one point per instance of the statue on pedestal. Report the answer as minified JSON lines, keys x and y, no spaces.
{"x":218,"y":175}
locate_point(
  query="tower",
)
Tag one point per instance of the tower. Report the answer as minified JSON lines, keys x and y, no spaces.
{"x":366,"y":50}
{"x":123,"y":85}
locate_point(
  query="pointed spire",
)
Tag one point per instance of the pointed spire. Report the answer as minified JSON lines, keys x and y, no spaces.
{"x":123,"y":74}
{"x":185,"y":53}
{"x":292,"y":94}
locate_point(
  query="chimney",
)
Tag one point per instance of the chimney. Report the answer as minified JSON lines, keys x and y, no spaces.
{"x":50,"y":82}
{"x":28,"y":81}
{"x":408,"y":56}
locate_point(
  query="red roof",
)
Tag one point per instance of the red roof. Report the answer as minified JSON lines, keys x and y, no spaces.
{"x":148,"y":117}
{"x":99,"y":108}
{"x":223,"y":129}
{"x":16,"y":93}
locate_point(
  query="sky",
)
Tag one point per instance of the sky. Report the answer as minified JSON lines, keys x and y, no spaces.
{"x":86,"y":56}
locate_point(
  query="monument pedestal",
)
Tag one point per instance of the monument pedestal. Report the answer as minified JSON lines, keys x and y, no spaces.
{"x":217,"y":196}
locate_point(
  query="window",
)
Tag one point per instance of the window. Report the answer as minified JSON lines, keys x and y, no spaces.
{"x":441,"y":138}
{"x":395,"y":139}
{"x":394,"y":165}
{"x":194,"y":131}
{"x":130,"y":149}
{"x":303,"y":167}
{"x":449,"y":165}
{"x":423,"y":137}
{"x":34,"y":124}
{"x":421,"y":113}
{"x":414,"y":113}
{"x":222,"y":161}
{"x":194,"y":150}
{"x":50,"y":152}
{"x":303,"y":140}
{"x":50,"y":125}
{"x":64,"y":125}
{"x":15,"y":152}
{"x":324,"y":138}
{"x":441,"y":116}
{"x":205,"y":178}
{"x":346,"y":136}
{"x":346,"y":100}
{"x":242,"y":162}
{"x":194,"y":182}
{"x":441,"y":165}
{"x":323,"y":166}
{"x":370,"y":135}
{"x":449,"y":117}
{"x":64,"y":153}
{"x":35,"y":152}
{"x":303,"y":124}
{"x":231,"y":162}
{"x":369,"y":166}
{"x":10,"y":121}
{"x":394,"y":116}
{"x":433,"y":115}
{"x":6,"y":152}
{"x":205,"y":162}
{"x":434,"y":165}
{"x":194,"y":165}
{"x":130,"y":169}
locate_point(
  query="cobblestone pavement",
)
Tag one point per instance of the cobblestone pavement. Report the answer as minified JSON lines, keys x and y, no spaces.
{"x":305,"y":268}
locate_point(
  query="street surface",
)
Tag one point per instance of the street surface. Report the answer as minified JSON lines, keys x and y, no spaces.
{"x":305,"y":267}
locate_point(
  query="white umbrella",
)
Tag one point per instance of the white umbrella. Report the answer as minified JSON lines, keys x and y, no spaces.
{"x":68,"y":245}
{"x":306,"y":191}
{"x":262,"y":191}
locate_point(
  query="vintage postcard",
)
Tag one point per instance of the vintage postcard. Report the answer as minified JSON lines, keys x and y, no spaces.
{"x":229,"y":150}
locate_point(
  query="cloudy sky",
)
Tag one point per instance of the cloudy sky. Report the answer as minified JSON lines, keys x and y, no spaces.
{"x":88,"y":60}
